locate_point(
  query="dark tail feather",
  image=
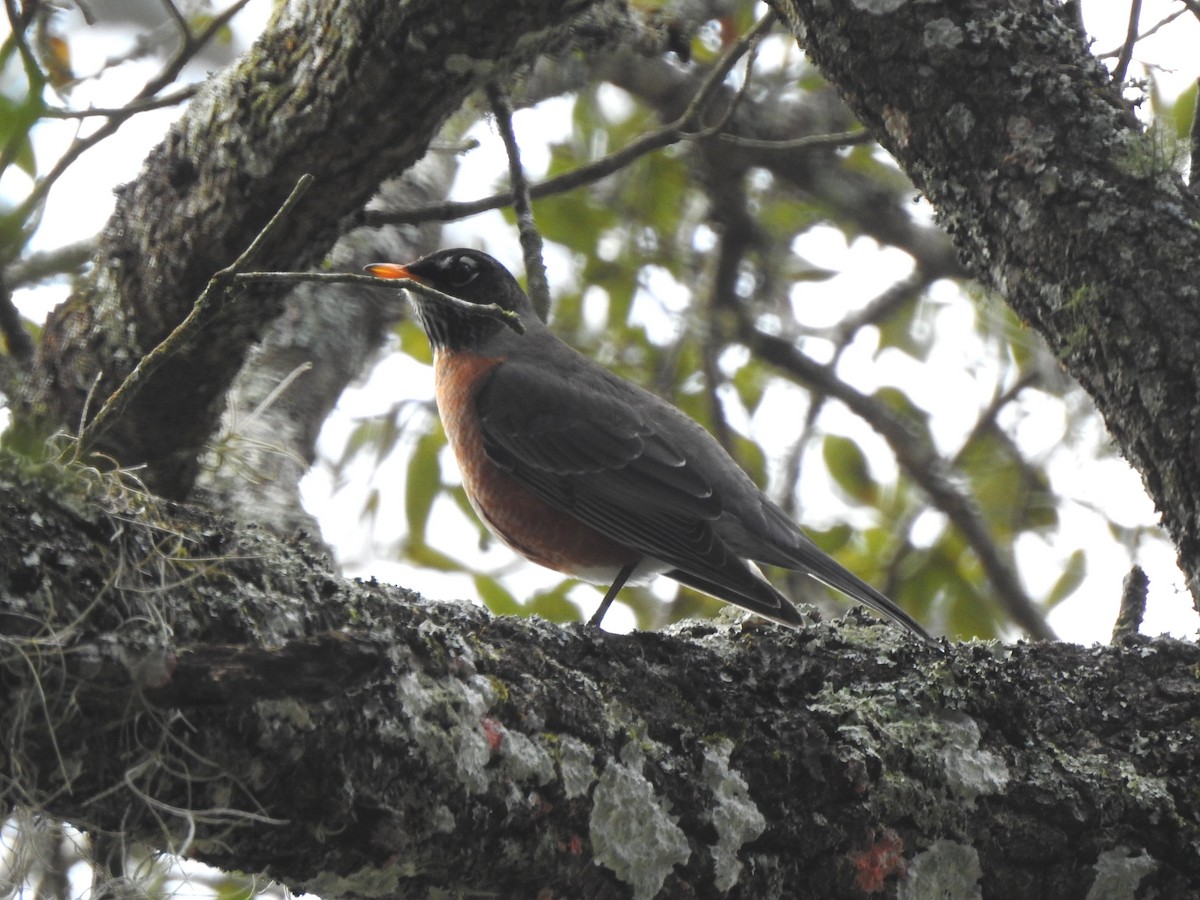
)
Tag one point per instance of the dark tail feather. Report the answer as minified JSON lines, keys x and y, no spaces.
{"x":846,"y":582}
{"x":765,"y":601}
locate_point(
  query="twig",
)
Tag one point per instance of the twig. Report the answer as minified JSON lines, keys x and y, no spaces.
{"x":923,"y":466}
{"x":685,"y":127}
{"x":1155,"y":28}
{"x":210,"y":302}
{"x":60,"y":261}
{"x":531,"y":239}
{"x":487,"y":311}
{"x":808,"y":142}
{"x":130,"y":109}
{"x":81,"y":145}
{"x":1131,"y":37}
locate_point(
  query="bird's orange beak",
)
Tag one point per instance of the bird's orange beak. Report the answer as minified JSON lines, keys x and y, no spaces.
{"x":391,"y":270}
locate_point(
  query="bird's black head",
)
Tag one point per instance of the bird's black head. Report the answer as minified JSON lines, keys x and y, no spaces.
{"x":468,"y":275}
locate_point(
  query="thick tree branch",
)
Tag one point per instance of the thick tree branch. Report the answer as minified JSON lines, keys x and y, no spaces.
{"x":221,"y":693}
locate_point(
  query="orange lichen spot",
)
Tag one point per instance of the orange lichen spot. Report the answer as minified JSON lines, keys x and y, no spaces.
{"x":874,"y":864}
{"x":494,"y":732}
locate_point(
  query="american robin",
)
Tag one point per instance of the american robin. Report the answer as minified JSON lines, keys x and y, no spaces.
{"x":588,"y":474}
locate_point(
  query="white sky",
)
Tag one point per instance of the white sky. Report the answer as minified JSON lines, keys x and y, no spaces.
{"x":82,"y":202}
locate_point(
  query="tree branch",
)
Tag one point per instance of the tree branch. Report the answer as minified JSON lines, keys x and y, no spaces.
{"x":223,"y":692}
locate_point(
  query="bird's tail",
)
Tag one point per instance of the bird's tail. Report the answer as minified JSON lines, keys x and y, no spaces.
{"x":827,"y":571}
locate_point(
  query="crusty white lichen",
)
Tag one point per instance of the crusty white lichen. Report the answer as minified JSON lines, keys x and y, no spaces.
{"x":970,"y":770}
{"x":1118,"y":874}
{"x":632,"y":833}
{"x":525,"y":759}
{"x":946,"y":869}
{"x":445,"y":723}
{"x":735,"y":816}
{"x":575,"y":765}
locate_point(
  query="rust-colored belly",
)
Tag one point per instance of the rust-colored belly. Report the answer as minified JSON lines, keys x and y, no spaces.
{"x":526,"y":523}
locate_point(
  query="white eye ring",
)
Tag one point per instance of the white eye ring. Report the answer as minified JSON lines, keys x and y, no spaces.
{"x":462,"y":270}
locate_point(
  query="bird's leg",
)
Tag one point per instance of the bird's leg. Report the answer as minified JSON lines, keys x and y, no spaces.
{"x":618,"y":583}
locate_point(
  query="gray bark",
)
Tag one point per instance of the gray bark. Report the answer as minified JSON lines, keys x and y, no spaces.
{"x":221,"y":693}
{"x":1054,"y":196}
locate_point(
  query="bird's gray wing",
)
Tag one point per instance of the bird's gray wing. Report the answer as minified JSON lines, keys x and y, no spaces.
{"x":610,"y":455}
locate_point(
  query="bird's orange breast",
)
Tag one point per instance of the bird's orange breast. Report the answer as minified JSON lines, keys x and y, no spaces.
{"x":526,"y":523}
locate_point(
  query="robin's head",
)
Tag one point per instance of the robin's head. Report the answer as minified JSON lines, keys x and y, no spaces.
{"x":467,"y":275}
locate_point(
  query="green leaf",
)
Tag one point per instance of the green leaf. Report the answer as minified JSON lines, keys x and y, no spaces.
{"x":902,"y":404}
{"x":1013,"y":495}
{"x":431,"y":558}
{"x":422,"y":486}
{"x":497,"y":599}
{"x":1072,"y":576}
{"x":413,"y":342}
{"x":16,"y":121}
{"x":1183,"y":111}
{"x":235,"y":889}
{"x":905,"y":330}
{"x":847,"y":465}
{"x":554,"y":605}
{"x":459,"y":496}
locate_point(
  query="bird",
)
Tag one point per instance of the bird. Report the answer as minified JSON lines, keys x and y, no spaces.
{"x":585,"y":472}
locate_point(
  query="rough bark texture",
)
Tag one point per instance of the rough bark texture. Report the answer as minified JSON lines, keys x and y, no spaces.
{"x":308,"y":98}
{"x":997,"y":111}
{"x":226,"y":695}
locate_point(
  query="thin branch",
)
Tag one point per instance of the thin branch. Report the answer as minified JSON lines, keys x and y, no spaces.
{"x":488,"y":311}
{"x":165,"y":77}
{"x":531,"y":239}
{"x":130,"y":109}
{"x":686,"y":127}
{"x":923,"y":466}
{"x":1131,"y":37}
{"x":38,"y":266}
{"x":210,"y":302}
{"x":808,"y":142}
{"x":1154,"y":29}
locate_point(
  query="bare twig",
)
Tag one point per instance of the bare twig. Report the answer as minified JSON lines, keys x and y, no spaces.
{"x":1131,"y":37}
{"x":922,"y":465}
{"x":60,"y":261}
{"x":488,"y":311}
{"x":808,"y":142}
{"x":81,"y":145}
{"x":531,"y":240}
{"x":130,"y":109}
{"x":210,"y":302}
{"x":687,"y":126}
{"x":1193,"y":5}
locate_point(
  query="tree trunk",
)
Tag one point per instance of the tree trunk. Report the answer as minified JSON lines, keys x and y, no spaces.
{"x":1054,"y":196}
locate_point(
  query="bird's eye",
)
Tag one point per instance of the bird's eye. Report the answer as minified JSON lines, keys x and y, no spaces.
{"x":461,"y":271}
